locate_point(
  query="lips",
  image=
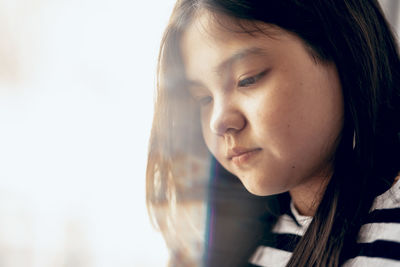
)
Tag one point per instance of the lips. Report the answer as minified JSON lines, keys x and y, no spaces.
{"x":236,"y":153}
{"x":242,"y":156}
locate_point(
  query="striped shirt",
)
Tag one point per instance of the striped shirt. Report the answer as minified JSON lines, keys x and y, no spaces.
{"x":378,"y":242}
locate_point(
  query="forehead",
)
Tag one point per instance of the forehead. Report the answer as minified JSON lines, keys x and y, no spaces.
{"x":210,"y":39}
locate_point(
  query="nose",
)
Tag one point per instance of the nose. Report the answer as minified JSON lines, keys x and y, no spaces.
{"x":226,"y":117}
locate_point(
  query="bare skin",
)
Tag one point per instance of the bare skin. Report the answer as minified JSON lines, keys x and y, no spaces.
{"x":270,"y":112}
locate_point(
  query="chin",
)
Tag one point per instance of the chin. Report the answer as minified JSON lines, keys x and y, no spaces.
{"x":262,"y":190}
{"x":259,"y":182}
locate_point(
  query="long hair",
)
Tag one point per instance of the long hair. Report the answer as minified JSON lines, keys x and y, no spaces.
{"x":355,"y":36}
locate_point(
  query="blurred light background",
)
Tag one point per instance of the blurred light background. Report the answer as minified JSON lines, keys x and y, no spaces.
{"x":76,"y":98}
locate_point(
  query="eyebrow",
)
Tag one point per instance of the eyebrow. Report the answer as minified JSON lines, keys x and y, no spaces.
{"x":239,"y":55}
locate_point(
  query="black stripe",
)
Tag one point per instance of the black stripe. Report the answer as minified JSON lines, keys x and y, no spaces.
{"x":384,"y":216}
{"x":252,"y":265}
{"x":285,"y":242}
{"x":378,"y":249}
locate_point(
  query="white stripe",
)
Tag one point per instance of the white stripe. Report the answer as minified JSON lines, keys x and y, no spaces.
{"x":362,"y":261}
{"x":286,"y":225}
{"x":270,"y":257}
{"x":383,"y":231}
{"x":388,"y":200}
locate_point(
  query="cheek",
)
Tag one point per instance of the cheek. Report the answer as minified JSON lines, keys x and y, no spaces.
{"x":296,"y":119}
{"x":272,"y":117}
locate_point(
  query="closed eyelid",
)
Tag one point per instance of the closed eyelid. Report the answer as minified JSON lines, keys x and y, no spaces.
{"x":255,"y":78}
{"x":229,"y":64}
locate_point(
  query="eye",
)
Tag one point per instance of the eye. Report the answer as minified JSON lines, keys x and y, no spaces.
{"x":246,"y":82}
{"x":203,"y":101}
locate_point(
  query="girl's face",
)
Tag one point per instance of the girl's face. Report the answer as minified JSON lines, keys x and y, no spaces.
{"x":271,"y":113}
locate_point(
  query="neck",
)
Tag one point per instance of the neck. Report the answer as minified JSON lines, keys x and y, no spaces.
{"x":307,"y":196}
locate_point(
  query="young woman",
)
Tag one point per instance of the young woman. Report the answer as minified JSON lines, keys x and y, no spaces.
{"x":298,"y":102}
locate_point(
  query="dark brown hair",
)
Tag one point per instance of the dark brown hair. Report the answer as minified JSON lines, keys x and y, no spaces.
{"x":355,"y":36}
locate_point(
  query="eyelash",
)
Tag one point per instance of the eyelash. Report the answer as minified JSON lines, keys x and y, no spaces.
{"x":246,"y":82}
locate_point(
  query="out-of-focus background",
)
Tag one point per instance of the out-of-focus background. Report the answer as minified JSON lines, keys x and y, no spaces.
{"x":76,"y":101}
{"x":76,"y":92}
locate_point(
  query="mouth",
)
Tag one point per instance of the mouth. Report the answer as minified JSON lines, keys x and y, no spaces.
{"x":242,"y":155}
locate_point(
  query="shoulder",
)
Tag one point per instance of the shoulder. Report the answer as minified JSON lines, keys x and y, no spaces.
{"x":378,"y":242}
{"x":389,"y":199}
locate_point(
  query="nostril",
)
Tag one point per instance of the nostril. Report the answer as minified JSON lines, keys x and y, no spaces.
{"x":227,"y":122}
